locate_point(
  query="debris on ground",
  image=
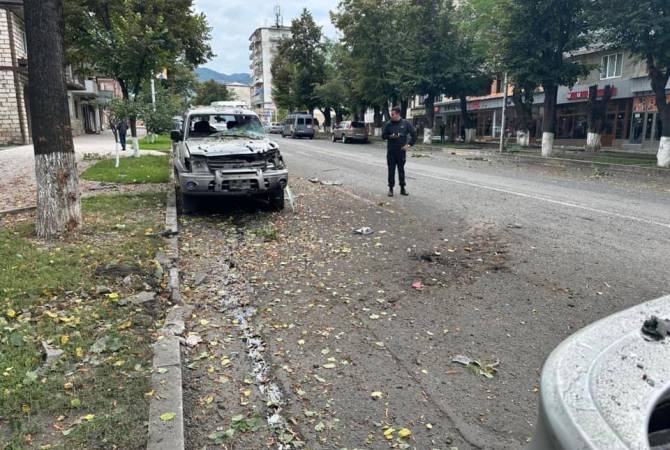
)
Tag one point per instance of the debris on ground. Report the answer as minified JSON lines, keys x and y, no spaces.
{"x":365,"y":231}
{"x":420,"y":155}
{"x":418,"y":285}
{"x":331,"y":183}
{"x":51,"y":353}
{"x":656,"y":328}
{"x":487,"y":370}
{"x":314,"y":180}
{"x":514,"y":226}
{"x":193,"y":340}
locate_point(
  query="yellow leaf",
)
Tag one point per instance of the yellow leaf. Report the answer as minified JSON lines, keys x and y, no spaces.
{"x":247,"y":392}
{"x":125,"y":325}
{"x":88,"y":417}
{"x":404,"y":432}
{"x":328,"y":366}
{"x":388,"y":433}
{"x":25,"y":408}
{"x":64,"y":339}
{"x":113,"y":295}
{"x":11,"y":313}
{"x":150,"y":393}
{"x":166,"y":416}
{"x":119,"y":363}
{"x":209,"y":399}
{"x":204,"y":322}
{"x":429,"y":426}
{"x":79,"y":352}
{"x":376,"y":394}
{"x":301,"y":342}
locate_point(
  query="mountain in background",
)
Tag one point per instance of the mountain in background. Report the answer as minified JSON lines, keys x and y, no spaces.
{"x":205,"y":74}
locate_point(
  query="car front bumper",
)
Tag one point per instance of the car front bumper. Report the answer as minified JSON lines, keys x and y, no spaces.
{"x":233,"y":182}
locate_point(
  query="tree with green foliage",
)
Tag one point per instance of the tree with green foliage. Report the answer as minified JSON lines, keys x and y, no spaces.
{"x":537,"y":36}
{"x":299,"y":65}
{"x":371,"y":33}
{"x":131,"y":40}
{"x":643,"y":29}
{"x":211,"y":91}
{"x":424,"y":61}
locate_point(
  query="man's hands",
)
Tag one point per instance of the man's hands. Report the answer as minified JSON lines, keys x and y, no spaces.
{"x":406,"y":147}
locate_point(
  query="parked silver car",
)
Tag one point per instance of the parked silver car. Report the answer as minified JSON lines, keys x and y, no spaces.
{"x":224,"y":151}
{"x":350,"y":131}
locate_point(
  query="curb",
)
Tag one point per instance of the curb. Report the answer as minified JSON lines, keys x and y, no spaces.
{"x":166,"y":380}
{"x":623,"y":169}
{"x":5,"y":212}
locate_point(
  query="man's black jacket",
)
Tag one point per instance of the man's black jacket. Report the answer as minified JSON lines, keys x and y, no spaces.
{"x":398,"y":134}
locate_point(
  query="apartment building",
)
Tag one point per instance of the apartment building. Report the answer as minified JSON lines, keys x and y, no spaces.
{"x":262,"y":50}
{"x":14,"y":118}
{"x":632,"y":122}
{"x":240,"y":91}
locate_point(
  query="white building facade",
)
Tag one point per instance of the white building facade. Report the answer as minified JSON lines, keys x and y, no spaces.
{"x":262,"y":49}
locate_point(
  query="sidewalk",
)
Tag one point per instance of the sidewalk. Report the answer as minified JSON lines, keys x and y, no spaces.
{"x":638,"y":164}
{"x":17,"y":164}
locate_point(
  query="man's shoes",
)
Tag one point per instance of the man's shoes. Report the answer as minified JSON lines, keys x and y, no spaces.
{"x":390,"y":194}
{"x":403,"y":191}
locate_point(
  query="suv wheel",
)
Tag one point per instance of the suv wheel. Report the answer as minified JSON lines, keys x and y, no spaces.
{"x":277,"y":200}
{"x":344,"y":139}
{"x":185,"y":202}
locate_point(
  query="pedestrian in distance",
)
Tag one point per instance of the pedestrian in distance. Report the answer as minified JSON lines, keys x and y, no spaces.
{"x":400,"y":136}
{"x":443,"y":131}
{"x":122,"y":129}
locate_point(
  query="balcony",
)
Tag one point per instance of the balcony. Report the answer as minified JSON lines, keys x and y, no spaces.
{"x":73,"y":80}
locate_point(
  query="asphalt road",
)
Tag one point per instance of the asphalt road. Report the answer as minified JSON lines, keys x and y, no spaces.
{"x":513,"y":259}
{"x":578,"y":247}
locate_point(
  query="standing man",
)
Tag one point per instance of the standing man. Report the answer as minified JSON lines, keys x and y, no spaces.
{"x":122,"y":129}
{"x":400,"y":136}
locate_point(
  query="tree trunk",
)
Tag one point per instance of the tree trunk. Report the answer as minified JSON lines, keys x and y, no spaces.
{"x":596,"y":116}
{"x":430,"y":120}
{"x":549,"y":119}
{"x":466,"y":131}
{"x":523,"y":106}
{"x":133,"y":134}
{"x":58,"y":201}
{"x":326,"y":119}
{"x":659,"y":79}
{"x":403,"y":107}
{"x":378,"y":120}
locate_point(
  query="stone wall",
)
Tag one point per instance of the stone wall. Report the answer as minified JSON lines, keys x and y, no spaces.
{"x":13,"y":111}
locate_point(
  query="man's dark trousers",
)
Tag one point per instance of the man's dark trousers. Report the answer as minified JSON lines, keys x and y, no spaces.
{"x":396,"y":158}
{"x":122,"y":139}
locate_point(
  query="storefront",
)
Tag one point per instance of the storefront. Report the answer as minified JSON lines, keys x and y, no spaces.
{"x":645,"y":125}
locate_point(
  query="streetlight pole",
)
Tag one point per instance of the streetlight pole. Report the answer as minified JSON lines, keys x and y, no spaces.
{"x":502,"y":119}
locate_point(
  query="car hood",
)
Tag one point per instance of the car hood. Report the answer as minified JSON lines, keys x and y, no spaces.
{"x":225,"y":147}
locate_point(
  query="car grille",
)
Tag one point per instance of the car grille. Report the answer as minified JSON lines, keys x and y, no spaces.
{"x":226,"y":162}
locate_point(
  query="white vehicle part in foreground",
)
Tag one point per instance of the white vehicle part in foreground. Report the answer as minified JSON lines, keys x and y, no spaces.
{"x":600,"y":386}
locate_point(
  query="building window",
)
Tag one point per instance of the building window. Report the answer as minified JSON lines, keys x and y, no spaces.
{"x":612,"y":66}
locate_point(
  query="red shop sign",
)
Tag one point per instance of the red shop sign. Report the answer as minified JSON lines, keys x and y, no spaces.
{"x":583,"y":95}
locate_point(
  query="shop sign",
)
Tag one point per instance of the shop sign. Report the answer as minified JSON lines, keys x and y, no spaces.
{"x":436,"y":109}
{"x":646,"y":104}
{"x":418,"y":111}
{"x":584,"y":95}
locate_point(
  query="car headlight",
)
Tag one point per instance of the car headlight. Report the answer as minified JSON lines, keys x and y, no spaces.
{"x":199,"y":165}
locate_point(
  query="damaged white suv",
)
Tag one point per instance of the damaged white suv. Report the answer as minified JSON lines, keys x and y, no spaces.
{"x":223,"y":151}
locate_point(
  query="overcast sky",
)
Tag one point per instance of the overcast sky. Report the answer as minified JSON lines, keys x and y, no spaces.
{"x":233,"y":21}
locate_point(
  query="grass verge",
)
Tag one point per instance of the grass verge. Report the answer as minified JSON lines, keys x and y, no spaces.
{"x":162,"y":142}
{"x":69,"y":295}
{"x":145,"y":169}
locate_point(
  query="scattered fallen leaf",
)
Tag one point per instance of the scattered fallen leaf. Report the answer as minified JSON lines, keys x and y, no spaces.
{"x":167,"y":416}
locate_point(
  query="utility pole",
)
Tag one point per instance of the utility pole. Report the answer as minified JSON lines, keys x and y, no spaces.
{"x":58,"y":202}
{"x":502,"y":118}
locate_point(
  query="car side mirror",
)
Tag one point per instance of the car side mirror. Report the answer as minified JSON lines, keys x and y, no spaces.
{"x":176,"y":135}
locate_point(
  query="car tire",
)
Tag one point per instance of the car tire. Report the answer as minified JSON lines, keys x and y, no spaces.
{"x":344,"y":139}
{"x":185,"y":202}
{"x":276,"y":200}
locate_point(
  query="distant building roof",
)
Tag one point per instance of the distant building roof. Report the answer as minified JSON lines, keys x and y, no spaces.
{"x":236,"y":83}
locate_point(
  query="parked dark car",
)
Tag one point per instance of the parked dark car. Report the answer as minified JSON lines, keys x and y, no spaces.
{"x":350,"y":131}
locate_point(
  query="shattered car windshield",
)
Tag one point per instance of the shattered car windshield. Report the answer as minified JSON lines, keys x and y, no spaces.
{"x":222,"y":125}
